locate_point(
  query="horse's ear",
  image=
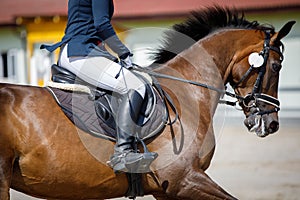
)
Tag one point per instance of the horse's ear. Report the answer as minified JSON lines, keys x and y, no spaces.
{"x":285,"y":30}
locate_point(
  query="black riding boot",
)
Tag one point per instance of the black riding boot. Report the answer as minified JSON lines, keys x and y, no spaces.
{"x":124,"y":158}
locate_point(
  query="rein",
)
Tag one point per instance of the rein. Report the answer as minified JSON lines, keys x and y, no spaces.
{"x":222,"y":92}
{"x":255,"y":95}
{"x":158,"y":75}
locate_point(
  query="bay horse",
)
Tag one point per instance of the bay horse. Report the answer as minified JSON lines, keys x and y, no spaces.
{"x":44,"y":155}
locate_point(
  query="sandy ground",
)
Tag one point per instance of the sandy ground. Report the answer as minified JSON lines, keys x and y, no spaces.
{"x":249,"y":167}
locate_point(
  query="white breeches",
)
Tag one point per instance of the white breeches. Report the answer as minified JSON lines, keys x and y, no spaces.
{"x":102,"y":72}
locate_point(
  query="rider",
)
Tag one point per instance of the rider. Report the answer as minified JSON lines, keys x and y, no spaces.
{"x":84,"y":54}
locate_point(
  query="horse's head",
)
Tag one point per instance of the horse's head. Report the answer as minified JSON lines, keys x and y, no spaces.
{"x":255,"y":78}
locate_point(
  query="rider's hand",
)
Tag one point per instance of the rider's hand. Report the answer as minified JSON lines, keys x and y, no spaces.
{"x":127,"y":62}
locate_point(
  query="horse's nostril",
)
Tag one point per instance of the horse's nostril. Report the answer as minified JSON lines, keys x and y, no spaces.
{"x":274,"y":126}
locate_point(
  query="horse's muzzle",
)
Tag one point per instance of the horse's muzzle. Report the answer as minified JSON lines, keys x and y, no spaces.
{"x":262,"y":125}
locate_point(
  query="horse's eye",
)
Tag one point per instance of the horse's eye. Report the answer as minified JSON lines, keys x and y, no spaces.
{"x":276,"y":67}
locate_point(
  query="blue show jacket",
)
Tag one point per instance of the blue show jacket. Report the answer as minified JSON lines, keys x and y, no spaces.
{"x":88,"y":26}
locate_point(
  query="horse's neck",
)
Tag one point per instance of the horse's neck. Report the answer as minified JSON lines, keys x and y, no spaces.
{"x":195,"y":64}
{"x":206,"y":62}
{"x":228,"y":46}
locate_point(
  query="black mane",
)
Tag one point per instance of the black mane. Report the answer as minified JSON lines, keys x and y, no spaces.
{"x":198,"y":25}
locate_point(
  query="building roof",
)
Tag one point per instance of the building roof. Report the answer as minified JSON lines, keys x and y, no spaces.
{"x":139,"y":8}
{"x":11,"y":9}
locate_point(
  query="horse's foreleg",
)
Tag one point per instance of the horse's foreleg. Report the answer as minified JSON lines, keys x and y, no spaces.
{"x":198,"y":185}
{"x":6,"y":170}
{"x":195,"y":184}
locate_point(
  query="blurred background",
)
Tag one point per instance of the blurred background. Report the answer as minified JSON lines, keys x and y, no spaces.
{"x":246,"y":166}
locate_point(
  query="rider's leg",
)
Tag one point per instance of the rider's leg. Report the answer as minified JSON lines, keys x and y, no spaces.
{"x":127,"y":118}
{"x":104,"y":73}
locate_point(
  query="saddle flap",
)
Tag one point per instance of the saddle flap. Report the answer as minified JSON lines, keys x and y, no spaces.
{"x":96,"y":115}
{"x":96,"y":118}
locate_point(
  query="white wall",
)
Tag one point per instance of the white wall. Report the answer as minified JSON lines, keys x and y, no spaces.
{"x":289,"y":87}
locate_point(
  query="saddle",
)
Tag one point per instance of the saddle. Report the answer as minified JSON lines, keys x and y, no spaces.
{"x":93,"y":109}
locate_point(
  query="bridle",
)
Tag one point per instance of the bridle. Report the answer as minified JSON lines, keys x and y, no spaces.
{"x":256,"y":96}
{"x":251,"y":100}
